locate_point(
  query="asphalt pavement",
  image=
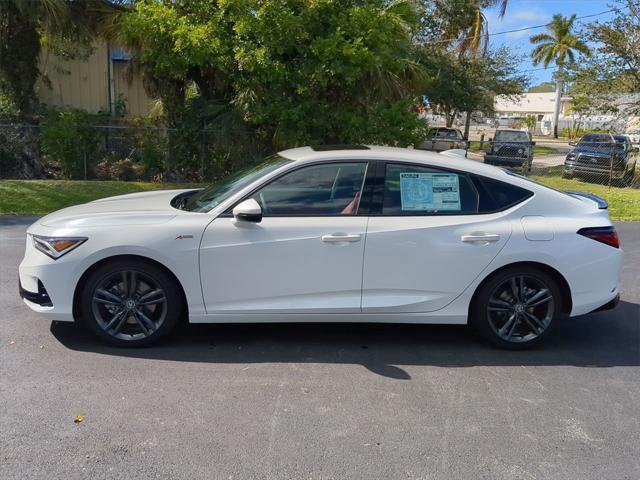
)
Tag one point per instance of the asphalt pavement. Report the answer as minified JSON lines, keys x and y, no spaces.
{"x":319,"y":401}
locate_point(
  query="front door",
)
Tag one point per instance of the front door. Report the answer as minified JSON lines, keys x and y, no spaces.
{"x":304,"y":256}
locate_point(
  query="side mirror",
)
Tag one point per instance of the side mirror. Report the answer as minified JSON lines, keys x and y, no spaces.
{"x":248,"y":211}
{"x":533,"y":144}
{"x":490,"y":139}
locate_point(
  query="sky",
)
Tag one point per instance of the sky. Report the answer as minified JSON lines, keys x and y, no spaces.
{"x":525,"y":13}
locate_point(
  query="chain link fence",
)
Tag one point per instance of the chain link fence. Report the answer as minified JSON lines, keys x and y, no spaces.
{"x":115,"y":152}
{"x":599,"y":159}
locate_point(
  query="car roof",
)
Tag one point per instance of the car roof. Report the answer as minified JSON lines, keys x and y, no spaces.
{"x":511,"y":130}
{"x":373,"y":152}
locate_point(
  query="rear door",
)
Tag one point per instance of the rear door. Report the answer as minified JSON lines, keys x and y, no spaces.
{"x":426,"y":239}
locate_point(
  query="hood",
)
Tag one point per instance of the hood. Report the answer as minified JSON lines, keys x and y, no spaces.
{"x":601,"y":150}
{"x":145,"y":208}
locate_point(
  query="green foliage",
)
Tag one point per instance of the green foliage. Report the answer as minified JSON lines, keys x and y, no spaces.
{"x":559,"y":44}
{"x":67,"y":138}
{"x":529,"y":122}
{"x":468,"y":84}
{"x":292,"y":71}
{"x":542,"y":88}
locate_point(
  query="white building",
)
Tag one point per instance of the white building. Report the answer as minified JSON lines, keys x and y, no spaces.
{"x":541,"y":105}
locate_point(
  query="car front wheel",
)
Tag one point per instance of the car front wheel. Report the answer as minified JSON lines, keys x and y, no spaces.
{"x":130,"y":302}
{"x":516,"y":308}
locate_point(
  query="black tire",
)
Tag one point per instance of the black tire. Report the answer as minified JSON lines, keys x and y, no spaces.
{"x":150,"y":308}
{"x":523,"y":332}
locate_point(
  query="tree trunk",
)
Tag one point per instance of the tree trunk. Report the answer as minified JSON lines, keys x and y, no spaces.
{"x":556,"y":111}
{"x":467,"y":125}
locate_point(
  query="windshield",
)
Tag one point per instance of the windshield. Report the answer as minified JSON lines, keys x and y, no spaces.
{"x":508,"y":136}
{"x":214,"y":195}
{"x":596,"y":140}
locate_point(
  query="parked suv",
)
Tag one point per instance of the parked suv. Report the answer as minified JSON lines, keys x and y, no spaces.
{"x":511,"y":148}
{"x":597,"y":156}
{"x":440,"y":139}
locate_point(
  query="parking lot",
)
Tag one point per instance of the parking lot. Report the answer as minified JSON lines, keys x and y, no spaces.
{"x":319,"y":401}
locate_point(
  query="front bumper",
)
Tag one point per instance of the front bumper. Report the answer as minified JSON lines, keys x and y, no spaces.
{"x":41,"y":297}
{"x":578,"y":169}
{"x":47,"y":285}
{"x":506,"y":161}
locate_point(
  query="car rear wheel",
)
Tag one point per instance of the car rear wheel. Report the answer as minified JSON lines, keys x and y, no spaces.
{"x":130,"y":303}
{"x":516,"y":308}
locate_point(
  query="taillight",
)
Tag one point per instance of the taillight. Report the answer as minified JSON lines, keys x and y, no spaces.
{"x":606,"y":235}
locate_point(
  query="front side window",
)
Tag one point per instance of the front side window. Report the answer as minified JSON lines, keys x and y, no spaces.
{"x":317,"y":190}
{"x":417,"y":190}
{"x":214,"y":195}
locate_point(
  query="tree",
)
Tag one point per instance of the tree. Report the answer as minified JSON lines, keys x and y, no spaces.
{"x":24,"y":23}
{"x":476,"y":36}
{"x":558,"y":45}
{"x":469,"y":84}
{"x":542,"y":87}
{"x":609,"y":80}
{"x":295,"y":71}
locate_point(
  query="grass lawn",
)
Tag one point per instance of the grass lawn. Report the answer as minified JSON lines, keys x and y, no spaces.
{"x":538,"y":150}
{"x":624,"y":203}
{"x":36,"y":197}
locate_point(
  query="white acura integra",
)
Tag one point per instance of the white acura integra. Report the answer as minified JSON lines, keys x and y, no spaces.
{"x":330,"y":234}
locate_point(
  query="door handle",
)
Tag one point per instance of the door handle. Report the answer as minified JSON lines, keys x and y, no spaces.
{"x":340,"y":238}
{"x":480,"y":237}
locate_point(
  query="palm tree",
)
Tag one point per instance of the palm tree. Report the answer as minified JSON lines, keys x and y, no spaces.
{"x":558,"y":45}
{"x":476,"y":37}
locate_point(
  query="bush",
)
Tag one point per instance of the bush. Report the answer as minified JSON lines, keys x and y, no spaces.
{"x":125,"y":169}
{"x":579,"y":132}
{"x":69,"y":139}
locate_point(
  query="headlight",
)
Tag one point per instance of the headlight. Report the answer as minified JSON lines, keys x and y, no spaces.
{"x":55,"y":247}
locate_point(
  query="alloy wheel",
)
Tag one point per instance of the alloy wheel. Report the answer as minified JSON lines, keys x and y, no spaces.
{"x":520,"y":309}
{"x":129,"y":305}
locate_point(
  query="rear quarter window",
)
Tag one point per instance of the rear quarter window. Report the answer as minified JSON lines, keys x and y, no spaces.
{"x":496,"y":195}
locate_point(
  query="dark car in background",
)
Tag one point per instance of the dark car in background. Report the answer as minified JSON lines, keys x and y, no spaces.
{"x":512,"y":149}
{"x":441,"y":139}
{"x":600,"y":157}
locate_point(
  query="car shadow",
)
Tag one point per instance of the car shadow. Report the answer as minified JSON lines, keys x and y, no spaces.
{"x":604,"y":339}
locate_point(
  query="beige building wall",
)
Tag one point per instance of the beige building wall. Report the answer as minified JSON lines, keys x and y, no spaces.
{"x":85,"y":84}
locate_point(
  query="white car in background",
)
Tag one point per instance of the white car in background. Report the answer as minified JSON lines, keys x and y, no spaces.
{"x":329,"y":234}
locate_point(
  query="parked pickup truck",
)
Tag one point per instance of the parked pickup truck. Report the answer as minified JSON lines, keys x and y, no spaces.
{"x":600,"y":157}
{"x":441,"y":139}
{"x":511,"y":148}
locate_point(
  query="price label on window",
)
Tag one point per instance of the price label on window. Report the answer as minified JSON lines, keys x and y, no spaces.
{"x":429,"y":192}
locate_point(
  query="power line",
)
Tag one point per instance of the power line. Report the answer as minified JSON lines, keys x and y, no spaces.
{"x":533,"y":27}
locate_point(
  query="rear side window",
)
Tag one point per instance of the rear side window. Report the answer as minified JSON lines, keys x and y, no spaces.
{"x":496,"y":195}
{"x":416,"y":190}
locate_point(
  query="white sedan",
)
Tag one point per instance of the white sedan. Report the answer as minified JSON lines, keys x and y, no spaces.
{"x":330,"y":234}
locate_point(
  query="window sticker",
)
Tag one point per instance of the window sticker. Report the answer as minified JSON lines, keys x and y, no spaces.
{"x":420,"y":192}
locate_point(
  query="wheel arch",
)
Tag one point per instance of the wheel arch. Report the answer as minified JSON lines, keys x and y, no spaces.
{"x":563,"y":285}
{"x":102,"y":261}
